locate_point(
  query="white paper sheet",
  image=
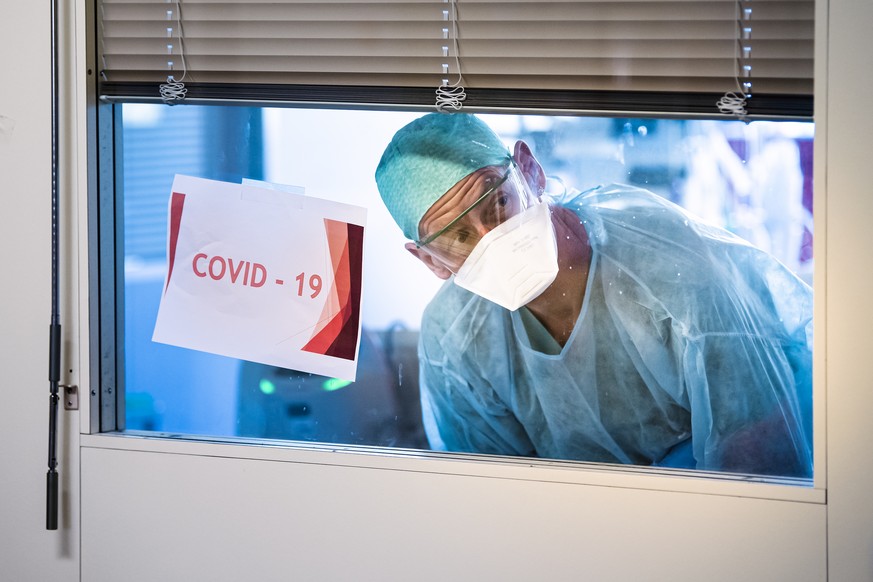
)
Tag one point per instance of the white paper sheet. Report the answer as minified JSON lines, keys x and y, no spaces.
{"x":263,"y":275}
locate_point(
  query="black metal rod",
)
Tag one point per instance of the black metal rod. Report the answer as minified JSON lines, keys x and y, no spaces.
{"x":51,"y":515}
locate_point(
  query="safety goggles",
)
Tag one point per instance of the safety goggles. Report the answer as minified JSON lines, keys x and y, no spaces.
{"x":487,"y":198}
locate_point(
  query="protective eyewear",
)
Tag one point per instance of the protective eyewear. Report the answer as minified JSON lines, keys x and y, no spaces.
{"x":502,"y":197}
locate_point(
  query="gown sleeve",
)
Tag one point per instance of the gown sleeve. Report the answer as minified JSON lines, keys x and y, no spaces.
{"x":750,"y":378}
{"x":741,"y":323}
{"x":457,"y":415}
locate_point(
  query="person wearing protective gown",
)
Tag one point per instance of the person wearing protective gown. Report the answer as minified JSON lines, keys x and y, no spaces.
{"x":656,"y":339}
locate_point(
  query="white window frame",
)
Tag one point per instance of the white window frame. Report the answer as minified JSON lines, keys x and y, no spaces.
{"x":639,"y":478}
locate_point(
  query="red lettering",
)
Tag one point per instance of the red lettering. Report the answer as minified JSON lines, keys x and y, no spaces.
{"x":258,"y":269}
{"x":234,"y":273}
{"x":197,"y":257}
{"x":221,"y":262}
{"x":243,"y":272}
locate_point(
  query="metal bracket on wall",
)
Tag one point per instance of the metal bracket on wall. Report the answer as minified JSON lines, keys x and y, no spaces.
{"x":71,"y":396}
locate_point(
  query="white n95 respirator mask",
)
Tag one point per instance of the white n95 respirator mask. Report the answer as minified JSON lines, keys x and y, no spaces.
{"x":515,"y":262}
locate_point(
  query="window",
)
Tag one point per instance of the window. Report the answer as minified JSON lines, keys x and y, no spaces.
{"x":603,"y":92}
{"x":751,"y":179}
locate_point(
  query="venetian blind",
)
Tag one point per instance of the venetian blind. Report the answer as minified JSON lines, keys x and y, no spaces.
{"x":659,"y":46}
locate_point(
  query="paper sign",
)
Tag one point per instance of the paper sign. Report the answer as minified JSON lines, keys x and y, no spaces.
{"x":263,"y":275}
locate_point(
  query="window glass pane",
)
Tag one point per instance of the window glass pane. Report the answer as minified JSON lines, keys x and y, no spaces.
{"x":684,"y":347}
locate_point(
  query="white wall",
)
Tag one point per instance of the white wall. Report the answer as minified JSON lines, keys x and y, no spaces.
{"x":27,"y":551}
{"x":290,"y":519}
{"x":850,"y":291}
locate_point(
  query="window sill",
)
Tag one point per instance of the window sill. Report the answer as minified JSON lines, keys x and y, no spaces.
{"x":566,"y":472}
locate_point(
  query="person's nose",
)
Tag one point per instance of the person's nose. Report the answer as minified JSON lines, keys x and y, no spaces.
{"x":481,"y":225}
{"x":482,"y":229}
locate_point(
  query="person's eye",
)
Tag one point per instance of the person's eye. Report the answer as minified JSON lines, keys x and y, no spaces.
{"x":503,"y":205}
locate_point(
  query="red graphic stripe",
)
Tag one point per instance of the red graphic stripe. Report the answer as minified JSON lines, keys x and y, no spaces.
{"x":339,"y":336}
{"x":177,"y":202}
{"x":347,"y":340}
{"x":323,"y":338}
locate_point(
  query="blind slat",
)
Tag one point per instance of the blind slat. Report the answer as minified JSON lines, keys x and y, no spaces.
{"x":531,"y":12}
{"x":652,"y":67}
{"x":565,"y":50}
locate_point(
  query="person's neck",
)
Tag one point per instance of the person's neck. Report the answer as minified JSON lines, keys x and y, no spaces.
{"x":558,"y":307}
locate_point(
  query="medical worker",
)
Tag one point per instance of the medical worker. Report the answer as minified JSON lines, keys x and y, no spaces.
{"x":607,"y":326}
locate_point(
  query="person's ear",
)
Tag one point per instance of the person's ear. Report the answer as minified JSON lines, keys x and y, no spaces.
{"x":432,"y":263}
{"x":530,"y":167}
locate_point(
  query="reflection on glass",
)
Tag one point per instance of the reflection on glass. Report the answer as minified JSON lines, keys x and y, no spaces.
{"x":753,"y":180}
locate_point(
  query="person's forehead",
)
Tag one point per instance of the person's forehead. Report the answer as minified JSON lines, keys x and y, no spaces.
{"x":479,"y":180}
{"x":467,"y":189}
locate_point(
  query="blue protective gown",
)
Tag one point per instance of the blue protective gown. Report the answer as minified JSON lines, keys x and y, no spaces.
{"x":692,"y":349}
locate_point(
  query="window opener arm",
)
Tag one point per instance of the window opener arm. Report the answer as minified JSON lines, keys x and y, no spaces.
{"x":51,"y":518}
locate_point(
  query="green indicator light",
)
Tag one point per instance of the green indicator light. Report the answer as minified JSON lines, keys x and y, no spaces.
{"x":266,"y":386}
{"x":332,"y":384}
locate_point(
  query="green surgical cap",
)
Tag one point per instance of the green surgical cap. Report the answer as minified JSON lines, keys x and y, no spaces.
{"x":429,"y":156}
